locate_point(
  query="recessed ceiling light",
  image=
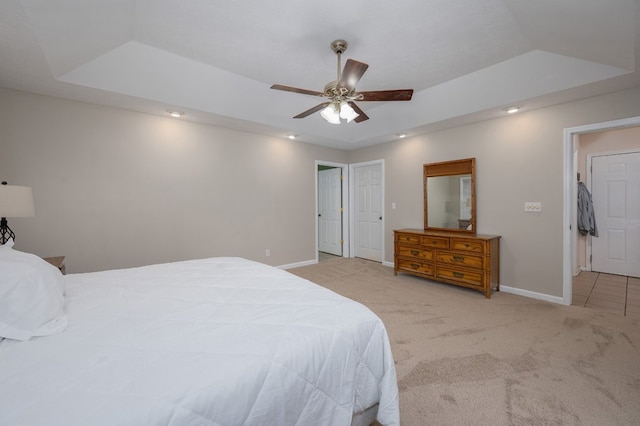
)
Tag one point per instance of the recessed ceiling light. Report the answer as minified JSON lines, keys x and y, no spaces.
{"x":176,"y":114}
{"x":291,"y":136}
{"x":402,"y":135}
{"x":512,"y":109}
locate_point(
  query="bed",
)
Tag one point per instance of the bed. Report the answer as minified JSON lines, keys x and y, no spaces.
{"x":219,"y":341}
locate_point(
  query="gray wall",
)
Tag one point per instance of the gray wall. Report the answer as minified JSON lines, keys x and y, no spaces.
{"x":115,"y":188}
{"x":518,"y":158}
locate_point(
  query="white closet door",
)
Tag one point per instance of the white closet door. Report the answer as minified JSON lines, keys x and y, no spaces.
{"x":615,"y":183}
{"x":368,"y":212}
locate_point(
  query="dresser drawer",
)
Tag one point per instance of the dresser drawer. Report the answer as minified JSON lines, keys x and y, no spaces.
{"x":459,"y":258}
{"x":435,"y":242}
{"x":461,"y":244}
{"x":461,"y":275}
{"x":415,"y":266}
{"x":414,"y":252}
{"x":408,"y":238}
{"x":469,"y":261}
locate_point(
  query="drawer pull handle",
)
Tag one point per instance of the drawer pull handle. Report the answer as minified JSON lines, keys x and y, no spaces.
{"x":415,"y":252}
{"x":415,"y":266}
{"x":458,"y":274}
{"x":458,"y":258}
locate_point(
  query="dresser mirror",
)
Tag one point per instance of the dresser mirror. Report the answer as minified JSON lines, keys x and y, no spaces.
{"x":450,"y":196}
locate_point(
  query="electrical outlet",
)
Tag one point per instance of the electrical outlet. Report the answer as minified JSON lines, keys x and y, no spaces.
{"x":532,"y":206}
{"x":267,"y":252}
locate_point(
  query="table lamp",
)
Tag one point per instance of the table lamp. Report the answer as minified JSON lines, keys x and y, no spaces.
{"x":15,"y":201}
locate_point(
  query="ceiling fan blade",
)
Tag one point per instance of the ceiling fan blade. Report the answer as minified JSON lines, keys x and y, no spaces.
{"x":361,"y":115}
{"x":296,"y":90}
{"x":353,"y":71}
{"x":312,"y":110}
{"x":387,"y":95}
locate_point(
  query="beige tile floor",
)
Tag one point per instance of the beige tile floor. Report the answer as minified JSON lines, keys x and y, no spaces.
{"x":612,"y":293}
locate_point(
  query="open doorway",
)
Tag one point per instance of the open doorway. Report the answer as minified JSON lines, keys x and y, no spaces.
{"x":572,"y":250}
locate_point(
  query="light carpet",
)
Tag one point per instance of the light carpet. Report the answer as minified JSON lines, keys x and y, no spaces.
{"x":464,"y":360}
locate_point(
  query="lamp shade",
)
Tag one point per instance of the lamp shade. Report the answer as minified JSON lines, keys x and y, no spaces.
{"x":347,"y":112}
{"x":16,"y":201}
{"x":331,"y":114}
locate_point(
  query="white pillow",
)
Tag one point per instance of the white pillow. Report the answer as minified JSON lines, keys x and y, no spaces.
{"x":31,"y":295}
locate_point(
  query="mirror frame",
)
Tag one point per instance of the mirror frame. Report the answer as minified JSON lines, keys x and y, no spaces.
{"x":451,"y":168}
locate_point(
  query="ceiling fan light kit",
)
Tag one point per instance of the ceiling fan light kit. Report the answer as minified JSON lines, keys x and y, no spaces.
{"x":341,"y":93}
{"x":334,"y":112}
{"x":330,"y":114}
{"x":347,"y":112}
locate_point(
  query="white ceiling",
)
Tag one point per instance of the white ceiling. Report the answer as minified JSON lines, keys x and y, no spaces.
{"x":216,"y":59}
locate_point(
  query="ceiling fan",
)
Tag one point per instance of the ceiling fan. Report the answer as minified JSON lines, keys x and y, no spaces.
{"x":342,"y":94}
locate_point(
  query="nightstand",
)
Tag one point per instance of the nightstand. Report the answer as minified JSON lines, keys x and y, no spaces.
{"x":58,"y":262}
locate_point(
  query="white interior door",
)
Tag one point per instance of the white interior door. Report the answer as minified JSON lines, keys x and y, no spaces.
{"x":330,"y":211}
{"x":368,"y":212}
{"x":615,"y":183}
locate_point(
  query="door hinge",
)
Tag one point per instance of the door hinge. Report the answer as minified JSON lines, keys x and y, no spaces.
{"x":341,"y":177}
{"x":341,"y":241}
{"x":341,"y":209}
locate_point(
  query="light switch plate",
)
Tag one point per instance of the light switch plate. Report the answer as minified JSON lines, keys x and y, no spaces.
{"x":532,"y":206}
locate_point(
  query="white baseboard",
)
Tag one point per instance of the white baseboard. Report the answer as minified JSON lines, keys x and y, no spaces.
{"x":298,"y":264}
{"x":532,"y":294}
{"x":580,"y":269}
{"x":503,"y":288}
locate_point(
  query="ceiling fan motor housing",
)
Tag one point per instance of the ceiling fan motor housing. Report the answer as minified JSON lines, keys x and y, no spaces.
{"x":338,"y":95}
{"x":330,"y":89}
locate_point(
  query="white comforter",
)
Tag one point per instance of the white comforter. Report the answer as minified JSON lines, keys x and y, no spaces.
{"x":221,"y":341}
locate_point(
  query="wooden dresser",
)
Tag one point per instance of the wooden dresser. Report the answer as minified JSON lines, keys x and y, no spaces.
{"x":468,"y":260}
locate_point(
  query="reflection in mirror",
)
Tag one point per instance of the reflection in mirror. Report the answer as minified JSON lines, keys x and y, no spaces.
{"x":449,"y":196}
{"x":449,"y":201}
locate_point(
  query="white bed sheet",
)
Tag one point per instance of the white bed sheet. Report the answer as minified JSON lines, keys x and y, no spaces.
{"x":220,"y":341}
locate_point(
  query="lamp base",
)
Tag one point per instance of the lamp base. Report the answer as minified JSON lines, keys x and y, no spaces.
{"x":6,"y":233}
